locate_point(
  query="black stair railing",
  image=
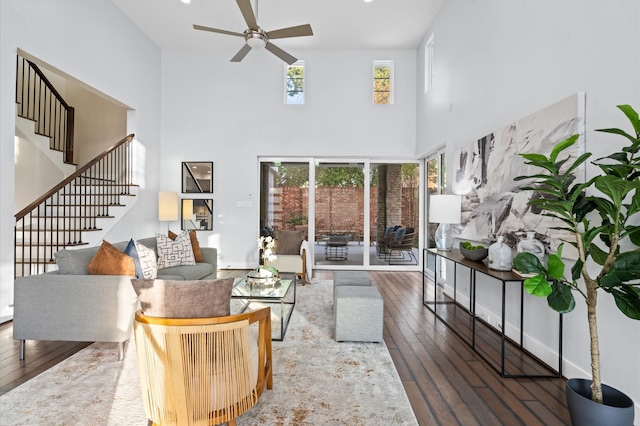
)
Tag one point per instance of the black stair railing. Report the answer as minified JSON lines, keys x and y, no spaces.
{"x":59,"y":218}
{"x":38,"y":100}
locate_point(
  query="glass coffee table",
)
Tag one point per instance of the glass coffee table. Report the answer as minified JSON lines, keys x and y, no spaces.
{"x":269,"y":295}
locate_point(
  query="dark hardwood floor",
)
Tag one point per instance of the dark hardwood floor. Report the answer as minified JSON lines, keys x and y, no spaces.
{"x":445,"y":381}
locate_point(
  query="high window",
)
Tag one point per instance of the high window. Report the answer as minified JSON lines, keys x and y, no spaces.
{"x":428,"y":64}
{"x":294,"y":83}
{"x":383,"y":82}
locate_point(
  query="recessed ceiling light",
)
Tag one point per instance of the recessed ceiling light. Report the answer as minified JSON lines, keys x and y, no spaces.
{"x":189,"y":1}
{"x":368,"y":1}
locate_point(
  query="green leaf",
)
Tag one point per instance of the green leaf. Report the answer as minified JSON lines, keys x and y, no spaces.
{"x":613,"y":187}
{"x":627,"y":265}
{"x":538,"y":286}
{"x":528,"y":263}
{"x":597,"y":254}
{"x":561,"y":298}
{"x":535,"y":158}
{"x":561,"y":146}
{"x":576,"y":269}
{"x":555,"y":266}
{"x":628,"y":301}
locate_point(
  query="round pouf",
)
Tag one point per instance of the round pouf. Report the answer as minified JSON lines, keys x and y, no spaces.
{"x":617,"y":409}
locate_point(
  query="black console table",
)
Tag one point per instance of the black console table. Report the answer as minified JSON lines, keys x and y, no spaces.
{"x":470,"y":311}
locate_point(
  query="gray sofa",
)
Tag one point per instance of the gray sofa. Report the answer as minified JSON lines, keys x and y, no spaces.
{"x":71,"y":305}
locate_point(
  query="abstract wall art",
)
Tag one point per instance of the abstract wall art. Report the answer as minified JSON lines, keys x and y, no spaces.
{"x":492,"y":203}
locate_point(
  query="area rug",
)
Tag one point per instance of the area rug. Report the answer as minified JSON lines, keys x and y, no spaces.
{"x":316,"y":381}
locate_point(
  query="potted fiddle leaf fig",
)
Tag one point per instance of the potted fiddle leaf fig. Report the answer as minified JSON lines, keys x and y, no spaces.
{"x":602,"y":215}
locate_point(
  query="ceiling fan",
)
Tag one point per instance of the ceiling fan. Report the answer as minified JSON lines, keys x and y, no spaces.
{"x":256,"y":37}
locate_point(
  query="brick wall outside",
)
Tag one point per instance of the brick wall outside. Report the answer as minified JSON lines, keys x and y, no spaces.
{"x":341,"y":209}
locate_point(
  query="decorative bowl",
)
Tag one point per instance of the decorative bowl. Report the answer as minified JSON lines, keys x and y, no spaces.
{"x":477,"y":255}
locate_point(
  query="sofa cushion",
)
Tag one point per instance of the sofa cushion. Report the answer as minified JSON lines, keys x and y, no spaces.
{"x":108,"y":260}
{"x":289,"y":242}
{"x":195,"y":244}
{"x":192,"y":272}
{"x":174,"y":253}
{"x":184,"y":299}
{"x":144,"y":258}
{"x":75,"y":262}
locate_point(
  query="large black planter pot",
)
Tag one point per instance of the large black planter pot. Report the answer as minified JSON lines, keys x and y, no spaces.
{"x":617,"y":409}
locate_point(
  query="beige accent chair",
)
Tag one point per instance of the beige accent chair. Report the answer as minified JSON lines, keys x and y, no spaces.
{"x":203,"y":371}
{"x":291,"y":254}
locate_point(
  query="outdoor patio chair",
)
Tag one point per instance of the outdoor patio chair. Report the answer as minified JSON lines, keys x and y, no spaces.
{"x":400,"y":252}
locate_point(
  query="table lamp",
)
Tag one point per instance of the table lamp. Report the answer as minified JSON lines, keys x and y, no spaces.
{"x":167,"y":207}
{"x":445,"y":210}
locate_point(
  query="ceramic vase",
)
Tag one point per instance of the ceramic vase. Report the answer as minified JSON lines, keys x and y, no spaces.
{"x":531,"y":245}
{"x":500,"y":256}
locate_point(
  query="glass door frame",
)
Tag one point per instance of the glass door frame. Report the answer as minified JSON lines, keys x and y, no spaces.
{"x":313,"y":161}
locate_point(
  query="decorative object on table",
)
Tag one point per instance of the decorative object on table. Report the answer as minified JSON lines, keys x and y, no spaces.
{"x":500,"y":255}
{"x":531,"y":245}
{"x":267,"y":246}
{"x":473,"y":252}
{"x":265,"y":276}
{"x":613,"y":228}
{"x":445,"y":210}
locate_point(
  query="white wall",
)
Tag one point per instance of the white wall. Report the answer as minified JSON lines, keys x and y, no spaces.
{"x":498,"y":61}
{"x":231,"y":113}
{"x":95,"y":43}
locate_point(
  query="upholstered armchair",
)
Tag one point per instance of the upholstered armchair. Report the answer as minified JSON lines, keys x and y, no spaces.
{"x":291,"y":252}
{"x":203,"y":371}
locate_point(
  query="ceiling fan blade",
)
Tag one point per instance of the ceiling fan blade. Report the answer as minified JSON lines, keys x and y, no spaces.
{"x":280,"y":53}
{"x":297,"y":31}
{"x":241,"y":53}
{"x":216,"y":30}
{"x":247,"y":12}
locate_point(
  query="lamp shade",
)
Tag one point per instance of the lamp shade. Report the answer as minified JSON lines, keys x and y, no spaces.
{"x":167,"y":206}
{"x":445,"y":208}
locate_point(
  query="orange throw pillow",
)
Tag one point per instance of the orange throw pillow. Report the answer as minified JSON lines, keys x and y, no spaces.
{"x":108,"y":260}
{"x":195,"y":245}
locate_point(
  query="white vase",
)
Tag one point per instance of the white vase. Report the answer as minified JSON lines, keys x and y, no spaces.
{"x":531,"y":245}
{"x":500,"y":255}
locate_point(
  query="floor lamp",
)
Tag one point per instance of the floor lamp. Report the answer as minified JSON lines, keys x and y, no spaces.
{"x":445,"y":210}
{"x":167,"y":207}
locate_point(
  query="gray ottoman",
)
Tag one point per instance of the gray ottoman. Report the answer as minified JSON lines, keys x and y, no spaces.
{"x":358,"y":314}
{"x":349,"y":278}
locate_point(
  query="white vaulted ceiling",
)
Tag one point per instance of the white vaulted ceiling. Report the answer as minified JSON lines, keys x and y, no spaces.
{"x":337,"y":24}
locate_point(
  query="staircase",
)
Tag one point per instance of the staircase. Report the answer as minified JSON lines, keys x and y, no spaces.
{"x":75,"y":212}
{"x":77,"y":206}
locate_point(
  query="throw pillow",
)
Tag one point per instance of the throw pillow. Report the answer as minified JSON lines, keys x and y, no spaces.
{"x":144,"y":258}
{"x":289,"y":242}
{"x":174,"y":253}
{"x":195,"y":245}
{"x":184,"y":299}
{"x":108,"y":260}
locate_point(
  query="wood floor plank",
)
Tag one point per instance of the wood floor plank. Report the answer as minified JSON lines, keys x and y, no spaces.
{"x":446,"y":382}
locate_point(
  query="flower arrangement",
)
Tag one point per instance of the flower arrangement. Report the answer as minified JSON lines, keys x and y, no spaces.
{"x":267,"y":247}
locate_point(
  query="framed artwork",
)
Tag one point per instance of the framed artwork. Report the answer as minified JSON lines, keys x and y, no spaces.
{"x":484,"y":173}
{"x":197,"y":213}
{"x":197,"y":177}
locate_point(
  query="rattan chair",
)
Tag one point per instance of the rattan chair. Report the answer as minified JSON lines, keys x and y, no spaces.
{"x":203,"y":371}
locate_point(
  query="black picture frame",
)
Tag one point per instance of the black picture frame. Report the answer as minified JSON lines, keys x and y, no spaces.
{"x":197,"y":177}
{"x":196,"y":213}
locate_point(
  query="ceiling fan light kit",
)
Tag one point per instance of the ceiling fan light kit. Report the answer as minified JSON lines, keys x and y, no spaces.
{"x":256,"y":37}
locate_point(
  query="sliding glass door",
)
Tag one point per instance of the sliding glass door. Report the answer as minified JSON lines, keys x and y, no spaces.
{"x":344,"y":208}
{"x":339,"y":213}
{"x":284,"y":196}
